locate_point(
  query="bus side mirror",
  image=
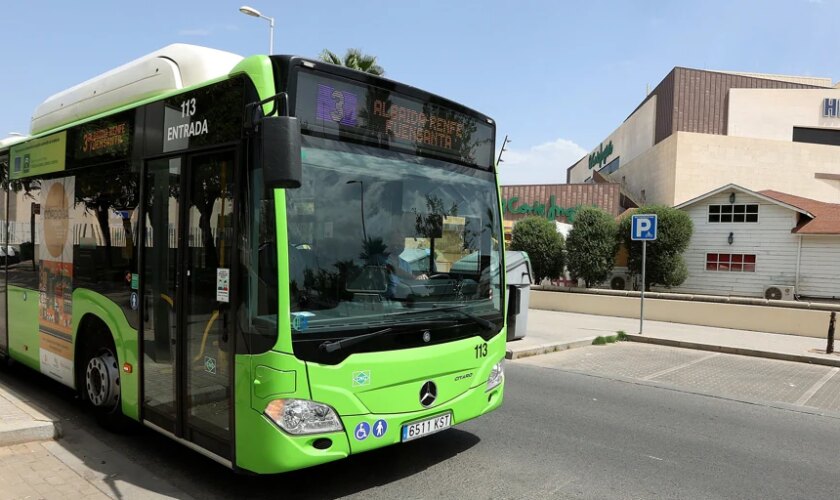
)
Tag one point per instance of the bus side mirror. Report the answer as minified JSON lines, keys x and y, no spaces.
{"x":279,"y":139}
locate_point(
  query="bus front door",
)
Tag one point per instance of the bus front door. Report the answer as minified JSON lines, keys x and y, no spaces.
{"x":187,"y":337}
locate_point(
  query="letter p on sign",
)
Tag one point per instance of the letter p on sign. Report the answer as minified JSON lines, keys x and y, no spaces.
{"x":643,"y":227}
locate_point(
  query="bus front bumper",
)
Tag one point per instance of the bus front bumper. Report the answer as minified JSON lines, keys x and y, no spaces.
{"x":266,"y":449}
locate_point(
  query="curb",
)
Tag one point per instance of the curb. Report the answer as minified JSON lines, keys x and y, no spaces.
{"x":634,"y":337}
{"x":25,"y":432}
{"x":548,"y":348}
{"x":35,"y":424}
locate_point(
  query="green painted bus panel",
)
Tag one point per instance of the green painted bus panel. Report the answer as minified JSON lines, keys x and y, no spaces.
{"x":502,"y":244}
{"x":125,"y":340}
{"x":24,"y":340}
{"x":389,"y":382}
{"x":266,"y":449}
{"x":273,"y":375}
{"x":259,"y":71}
{"x":261,"y":446}
{"x":271,"y":383}
{"x":284,"y":316}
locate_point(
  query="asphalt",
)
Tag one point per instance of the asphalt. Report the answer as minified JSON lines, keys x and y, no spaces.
{"x":22,"y":421}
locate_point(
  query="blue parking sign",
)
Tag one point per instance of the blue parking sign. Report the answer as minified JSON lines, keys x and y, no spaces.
{"x":643,"y":227}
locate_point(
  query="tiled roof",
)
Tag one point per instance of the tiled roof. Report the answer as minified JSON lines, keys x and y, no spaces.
{"x":826,"y":215}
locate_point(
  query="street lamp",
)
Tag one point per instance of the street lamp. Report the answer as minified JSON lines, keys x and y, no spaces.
{"x":250,"y":11}
{"x":362,"y":186}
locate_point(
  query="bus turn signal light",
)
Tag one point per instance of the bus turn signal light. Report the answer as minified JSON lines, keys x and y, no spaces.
{"x":128,"y":368}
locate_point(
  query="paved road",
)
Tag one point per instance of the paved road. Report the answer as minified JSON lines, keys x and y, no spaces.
{"x":560,"y":434}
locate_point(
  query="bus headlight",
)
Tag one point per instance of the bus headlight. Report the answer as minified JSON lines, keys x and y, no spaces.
{"x":497,"y":376}
{"x":301,"y":416}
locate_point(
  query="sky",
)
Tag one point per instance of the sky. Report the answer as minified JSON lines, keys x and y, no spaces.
{"x":557,"y":76}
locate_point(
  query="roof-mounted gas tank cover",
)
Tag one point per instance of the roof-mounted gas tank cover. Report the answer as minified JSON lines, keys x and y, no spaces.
{"x":173,"y":67}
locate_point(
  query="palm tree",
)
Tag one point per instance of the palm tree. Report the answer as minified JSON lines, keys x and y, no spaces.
{"x":354,"y":59}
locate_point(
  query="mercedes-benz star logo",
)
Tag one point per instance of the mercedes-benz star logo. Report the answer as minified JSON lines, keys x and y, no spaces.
{"x":427,"y":336}
{"x":428,"y":394}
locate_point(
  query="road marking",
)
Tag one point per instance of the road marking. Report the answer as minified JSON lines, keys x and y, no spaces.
{"x":814,"y":388}
{"x":655,"y":458}
{"x":679,"y":367}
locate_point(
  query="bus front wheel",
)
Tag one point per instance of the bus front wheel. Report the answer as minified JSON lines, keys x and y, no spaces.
{"x":101,"y":380}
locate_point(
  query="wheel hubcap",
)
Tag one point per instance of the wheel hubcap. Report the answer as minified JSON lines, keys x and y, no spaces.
{"x":102,"y":380}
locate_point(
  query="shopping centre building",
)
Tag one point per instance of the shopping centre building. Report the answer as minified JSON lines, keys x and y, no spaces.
{"x":699,"y":130}
{"x":754,"y":160}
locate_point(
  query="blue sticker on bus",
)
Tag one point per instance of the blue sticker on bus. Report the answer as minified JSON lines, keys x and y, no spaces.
{"x":362,"y":431}
{"x":300,"y":320}
{"x":380,"y":427}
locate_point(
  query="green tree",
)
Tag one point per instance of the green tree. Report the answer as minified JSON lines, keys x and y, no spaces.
{"x":665,"y":265}
{"x":354,"y":59}
{"x":539,"y":238}
{"x":591,"y":245}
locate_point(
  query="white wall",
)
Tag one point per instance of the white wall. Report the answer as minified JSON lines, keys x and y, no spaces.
{"x":772,"y":113}
{"x":630,"y":139}
{"x":819,"y":272}
{"x":774,"y":246}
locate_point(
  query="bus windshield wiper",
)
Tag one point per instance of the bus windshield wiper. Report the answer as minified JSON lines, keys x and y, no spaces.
{"x":335,"y":345}
{"x":340,"y":344}
{"x":459,"y":308}
{"x":484,"y":323}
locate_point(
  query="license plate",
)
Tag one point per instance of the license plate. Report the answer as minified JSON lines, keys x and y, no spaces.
{"x":426,"y":427}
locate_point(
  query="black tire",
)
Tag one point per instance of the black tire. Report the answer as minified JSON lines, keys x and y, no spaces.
{"x":5,"y":361}
{"x":99,"y":380}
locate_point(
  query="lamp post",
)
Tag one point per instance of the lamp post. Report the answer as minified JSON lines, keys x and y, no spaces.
{"x":362,"y":188}
{"x":250,"y":11}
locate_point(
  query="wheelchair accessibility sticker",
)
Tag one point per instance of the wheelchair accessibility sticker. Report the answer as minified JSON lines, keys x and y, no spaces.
{"x":300,"y":321}
{"x":362,"y":431}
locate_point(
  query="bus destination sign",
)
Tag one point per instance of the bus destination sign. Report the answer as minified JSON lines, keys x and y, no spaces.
{"x":336,"y":106}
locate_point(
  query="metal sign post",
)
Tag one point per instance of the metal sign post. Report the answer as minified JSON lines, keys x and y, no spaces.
{"x":642,"y":301}
{"x":643,"y":228}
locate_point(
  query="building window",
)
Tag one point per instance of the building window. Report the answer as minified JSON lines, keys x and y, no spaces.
{"x":733,"y":213}
{"x":735,"y":262}
{"x":829,"y":137}
{"x":610,"y":167}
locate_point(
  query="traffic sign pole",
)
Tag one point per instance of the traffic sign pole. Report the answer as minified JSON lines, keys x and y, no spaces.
{"x":643,"y":227}
{"x":642,"y":310}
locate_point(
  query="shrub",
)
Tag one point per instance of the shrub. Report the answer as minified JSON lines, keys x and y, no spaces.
{"x":665,"y":265}
{"x":539,"y":238}
{"x":591,"y":246}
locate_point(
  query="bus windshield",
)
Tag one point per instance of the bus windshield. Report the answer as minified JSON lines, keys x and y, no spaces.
{"x":380,"y":239}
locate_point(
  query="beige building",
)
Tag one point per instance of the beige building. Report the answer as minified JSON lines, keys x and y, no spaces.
{"x":698,"y":130}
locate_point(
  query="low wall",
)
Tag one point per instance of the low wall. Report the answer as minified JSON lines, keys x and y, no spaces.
{"x":793,"y":318}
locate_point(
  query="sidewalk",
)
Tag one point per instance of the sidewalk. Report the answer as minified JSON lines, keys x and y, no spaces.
{"x":550,"y":331}
{"x":21,"y":422}
{"x":33,"y":465}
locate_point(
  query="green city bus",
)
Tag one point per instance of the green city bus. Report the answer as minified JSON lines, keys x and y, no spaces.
{"x":275,"y":261}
